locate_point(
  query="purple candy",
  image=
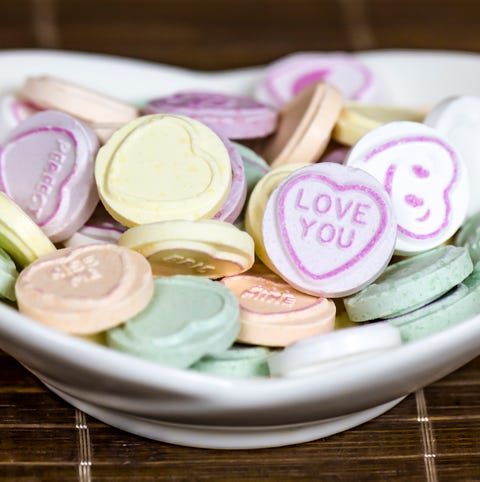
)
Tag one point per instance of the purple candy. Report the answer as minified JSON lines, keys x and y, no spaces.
{"x":234,"y":116}
{"x":46,"y":167}
{"x":233,"y":206}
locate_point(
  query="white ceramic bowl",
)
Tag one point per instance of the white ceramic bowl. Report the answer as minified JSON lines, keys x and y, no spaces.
{"x":190,"y":408}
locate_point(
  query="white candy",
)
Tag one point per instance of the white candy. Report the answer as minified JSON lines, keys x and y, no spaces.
{"x":425,"y":177}
{"x":324,"y":352}
{"x":458,"y":120}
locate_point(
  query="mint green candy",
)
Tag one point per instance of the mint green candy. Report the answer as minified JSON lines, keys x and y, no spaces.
{"x":410,"y":284}
{"x":469,"y":236}
{"x":8,"y":276}
{"x":189,"y":317}
{"x":255,"y":167}
{"x":236,"y":362}
{"x":459,"y":304}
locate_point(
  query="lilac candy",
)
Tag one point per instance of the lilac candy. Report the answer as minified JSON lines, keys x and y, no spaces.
{"x":286,"y":77}
{"x":46,"y":167}
{"x":234,"y":116}
{"x":100,"y":228}
{"x":233,"y":206}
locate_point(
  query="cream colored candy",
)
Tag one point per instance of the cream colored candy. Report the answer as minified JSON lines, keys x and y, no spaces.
{"x":85,"y":290}
{"x":163,"y":167}
{"x":20,"y":237}
{"x":257,"y":202}
{"x":305,"y":126}
{"x":104,"y":113}
{"x":208,"y":248}
{"x":356,"y":119}
{"x":272,"y":313}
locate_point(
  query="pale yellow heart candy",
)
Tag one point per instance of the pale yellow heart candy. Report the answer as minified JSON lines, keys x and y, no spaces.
{"x":163,"y":167}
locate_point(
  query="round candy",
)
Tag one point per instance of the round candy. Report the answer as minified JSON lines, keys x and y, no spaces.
{"x":305,"y":126}
{"x":329,"y":229}
{"x":457,"y":120}
{"x":163,"y":167}
{"x":86,"y":104}
{"x":85,"y":290}
{"x":410,"y":283}
{"x":326,"y":352}
{"x":469,"y":236}
{"x":20,"y":237}
{"x":100,"y":228}
{"x":237,"y":362}
{"x":208,"y":248}
{"x":357,"y":119}
{"x":234,"y":116}
{"x":288,"y":76}
{"x":255,"y":167}
{"x":187,"y":319}
{"x":8,"y":276}
{"x":46,"y":167}
{"x":272,"y":313}
{"x":12,"y":112}
{"x":258,"y":201}
{"x":459,"y":304}
{"x":233,"y":205}
{"x":425,"y":178}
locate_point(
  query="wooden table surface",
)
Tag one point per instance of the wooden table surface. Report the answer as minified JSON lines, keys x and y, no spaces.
{"x":432,"y":435}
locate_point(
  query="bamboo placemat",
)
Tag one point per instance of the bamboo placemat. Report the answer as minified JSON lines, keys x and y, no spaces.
{"x":432,"y":435}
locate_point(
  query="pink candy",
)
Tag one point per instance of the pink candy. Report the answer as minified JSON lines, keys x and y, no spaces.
{"x":329,"y":230}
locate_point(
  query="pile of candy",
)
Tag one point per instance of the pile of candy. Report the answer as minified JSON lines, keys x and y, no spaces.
{"x":242,"y":236}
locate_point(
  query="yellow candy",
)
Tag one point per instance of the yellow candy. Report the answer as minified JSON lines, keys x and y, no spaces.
{"x":356,"y":119}
{"x":20,"y":237}
{"x":257,"y":202}
{"x":208,"y":248}
{"x":163,"y":167}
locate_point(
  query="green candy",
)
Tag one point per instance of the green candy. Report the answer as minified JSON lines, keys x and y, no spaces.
{"x":469,"y":237}
{"x":255,"y":167}
{"x":189,"y":317}
{"x":8,"y":276}
{"x":237,"y":362}
{"x":459,"y":304}
{"x":410,"y":283}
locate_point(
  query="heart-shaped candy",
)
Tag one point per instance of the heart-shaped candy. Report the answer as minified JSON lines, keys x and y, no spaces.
{"x":329,"y":230}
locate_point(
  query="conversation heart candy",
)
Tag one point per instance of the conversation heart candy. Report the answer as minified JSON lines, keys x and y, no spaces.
{"x":188,"y":318}
{"x":233,"y":205}
{"x":457,"y":120}
{"x":469,"y":237}
{"x":304,"y":126}
{"x":272,"y":313}
{"x":46,"y":167}
{"x":329,"y":230}
{"x":85,"y":290}
{"x":100,"y":228}
{"x":424,"y":176}
{"x":8,"y":276}
{"x":459,"y":304}
{"x":288,"y":76}
{"x":207,"y":248}
{"x":105,"y":113}
{"x":234,"y":116}
{"x":13,"y":111}
{"x":327,"y":352}
{"x":20,"y":237}
{"x":163,"y":167}
{"x":410,"y":283}
{"x":258,"y":201}
{"x":237,"y":362}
